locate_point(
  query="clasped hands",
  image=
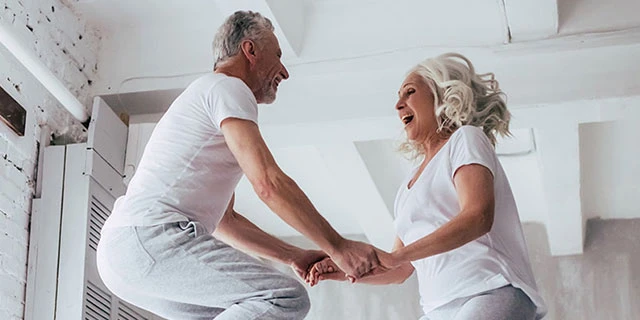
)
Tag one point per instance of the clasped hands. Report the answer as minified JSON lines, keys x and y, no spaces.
{"x":351,"y":261}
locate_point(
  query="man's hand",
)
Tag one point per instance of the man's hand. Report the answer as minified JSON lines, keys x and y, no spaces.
{"x":356,"y":258}
{"x":303,"y":262}
{"x":387,"y":262}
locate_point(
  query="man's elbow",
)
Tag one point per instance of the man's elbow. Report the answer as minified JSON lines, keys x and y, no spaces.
{"x":485,"y":221}
{"x":272,"y":184}
{"x":230,"y":216}
{"x":265,"y":189}
{"x":269,"y":186}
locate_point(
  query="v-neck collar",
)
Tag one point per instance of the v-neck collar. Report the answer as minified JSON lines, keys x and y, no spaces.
{"x":414,"y":171}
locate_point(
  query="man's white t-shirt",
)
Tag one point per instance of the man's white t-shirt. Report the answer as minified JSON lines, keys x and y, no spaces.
{"x":496,"y":259}
{"x":187,"y":171}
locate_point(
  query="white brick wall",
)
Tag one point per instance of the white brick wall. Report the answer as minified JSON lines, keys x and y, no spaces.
{"x":69,"y":48}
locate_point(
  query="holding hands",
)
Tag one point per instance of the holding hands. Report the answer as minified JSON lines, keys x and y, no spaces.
{"x":329,"y":269}
{"x":305,"y":260}
{"x":355,"y":258}
{"x":352,"y":261}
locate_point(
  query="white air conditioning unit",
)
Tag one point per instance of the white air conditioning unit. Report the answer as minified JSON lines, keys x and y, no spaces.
{"x":80,"y":185}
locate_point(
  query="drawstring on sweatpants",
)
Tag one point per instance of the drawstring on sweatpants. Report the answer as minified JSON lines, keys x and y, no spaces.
{"x":191,"y":226}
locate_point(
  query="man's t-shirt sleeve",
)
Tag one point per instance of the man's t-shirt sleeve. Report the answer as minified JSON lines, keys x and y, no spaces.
{"x":231,"y":98}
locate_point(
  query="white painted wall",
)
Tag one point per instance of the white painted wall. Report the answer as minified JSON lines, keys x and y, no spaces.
{"x":63,"y":43}
{"x":610,"y":160}
{"x":388,"y":168}
{"x":593,"y":16}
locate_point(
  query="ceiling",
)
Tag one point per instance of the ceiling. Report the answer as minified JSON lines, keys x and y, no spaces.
{"x":569,"y":69}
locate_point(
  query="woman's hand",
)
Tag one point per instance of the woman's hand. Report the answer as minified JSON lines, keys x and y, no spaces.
{"x":303,"y":262}
{"x":325,"y":270}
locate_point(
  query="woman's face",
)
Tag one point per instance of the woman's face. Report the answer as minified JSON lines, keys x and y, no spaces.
{"x":415,"y":108}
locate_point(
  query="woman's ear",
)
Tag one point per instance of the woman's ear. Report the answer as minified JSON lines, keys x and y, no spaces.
{"x":248,"y":48}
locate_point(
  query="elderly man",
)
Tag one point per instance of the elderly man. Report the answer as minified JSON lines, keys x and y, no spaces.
{"x":157,"y":250}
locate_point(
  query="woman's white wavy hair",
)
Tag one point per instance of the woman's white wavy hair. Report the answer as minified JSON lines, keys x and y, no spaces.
{"x":461,"y":97}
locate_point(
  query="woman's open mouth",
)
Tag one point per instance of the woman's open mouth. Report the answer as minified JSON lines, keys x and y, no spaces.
{"x":406,"y":119}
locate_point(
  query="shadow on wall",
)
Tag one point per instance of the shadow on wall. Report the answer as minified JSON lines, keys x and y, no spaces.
{"x":602,"y":283}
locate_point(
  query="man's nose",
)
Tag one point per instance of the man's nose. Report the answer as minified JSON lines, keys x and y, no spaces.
{"x":284,"y":73}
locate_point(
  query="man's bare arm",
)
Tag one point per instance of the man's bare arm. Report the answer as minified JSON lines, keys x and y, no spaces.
{"x":283,"y":196}
{"x":240,"y":233}
{"x":273,"y":186}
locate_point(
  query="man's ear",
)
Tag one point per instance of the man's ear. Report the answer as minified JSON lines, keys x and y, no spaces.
{"x":248,"y":48}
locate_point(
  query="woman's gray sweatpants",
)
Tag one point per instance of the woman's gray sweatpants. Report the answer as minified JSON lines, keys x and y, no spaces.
{"x":178,"y":271}
{"x":506,"y":303}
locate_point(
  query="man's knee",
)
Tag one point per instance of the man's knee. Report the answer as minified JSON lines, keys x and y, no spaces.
{"x":293,"y":300}
{"x":303,"y":304}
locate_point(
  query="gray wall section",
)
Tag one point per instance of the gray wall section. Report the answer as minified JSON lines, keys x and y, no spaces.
{"x":601,"y":284}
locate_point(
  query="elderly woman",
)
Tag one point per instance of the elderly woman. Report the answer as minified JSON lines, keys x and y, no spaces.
{"x":455,"y":215}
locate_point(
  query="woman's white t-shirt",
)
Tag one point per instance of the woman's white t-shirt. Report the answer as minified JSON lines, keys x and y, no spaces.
{"x":495,"y":259}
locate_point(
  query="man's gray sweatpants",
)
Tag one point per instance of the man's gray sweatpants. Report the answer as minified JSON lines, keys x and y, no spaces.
{"x":178,"y":271}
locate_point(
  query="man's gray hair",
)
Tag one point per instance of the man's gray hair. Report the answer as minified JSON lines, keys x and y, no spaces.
{"x":240,"y":26}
